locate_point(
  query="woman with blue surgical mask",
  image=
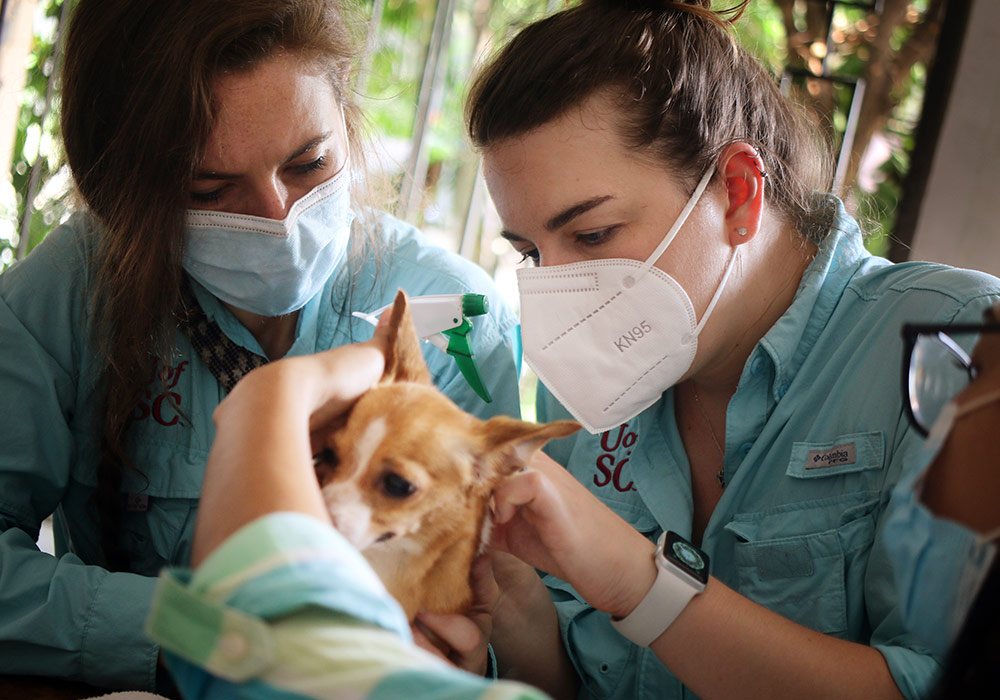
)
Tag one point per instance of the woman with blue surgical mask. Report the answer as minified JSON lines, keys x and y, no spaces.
{"x":215,"y":146}
{"x":944,"y":522}
{"x":697,"y":299}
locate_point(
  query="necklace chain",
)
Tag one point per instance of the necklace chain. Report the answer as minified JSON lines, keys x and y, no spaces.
{"x":721,"y":475}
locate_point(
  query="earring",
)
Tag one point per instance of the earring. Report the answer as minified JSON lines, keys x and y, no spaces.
{"x":741,"y":231}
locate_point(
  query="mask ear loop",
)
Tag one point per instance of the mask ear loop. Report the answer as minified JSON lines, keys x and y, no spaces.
{"x":630,"y":280}
{"x":976,"y":403}
{"x":718,"y":293}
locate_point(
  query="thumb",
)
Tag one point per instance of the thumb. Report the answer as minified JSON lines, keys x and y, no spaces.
{"x":485,"y":590}
{"x":514,"y":492}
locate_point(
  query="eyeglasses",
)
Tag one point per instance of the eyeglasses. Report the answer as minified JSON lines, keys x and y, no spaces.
{"x":936,"y":367}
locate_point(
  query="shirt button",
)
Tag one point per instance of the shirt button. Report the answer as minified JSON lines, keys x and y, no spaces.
{"x":782,"y":390}
{"x":233,"y":646}
{"x":745,"y":448}
{"x":757,"y":366}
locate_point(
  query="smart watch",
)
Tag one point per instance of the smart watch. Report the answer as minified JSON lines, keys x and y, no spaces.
{"x":682,"y":573}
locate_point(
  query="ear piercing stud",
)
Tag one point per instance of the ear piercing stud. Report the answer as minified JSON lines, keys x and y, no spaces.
{"x":741,"y":231}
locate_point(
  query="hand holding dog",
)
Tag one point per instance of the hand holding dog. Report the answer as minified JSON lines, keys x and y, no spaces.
{"x":269,"y":419}
{"x":549,"y":520}
{"x":462,"y":639}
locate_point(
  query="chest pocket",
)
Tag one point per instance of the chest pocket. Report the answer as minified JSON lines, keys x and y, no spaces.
{"x":161,"y":504}
{"x":158,"y":531}
{"x":802,"y":560}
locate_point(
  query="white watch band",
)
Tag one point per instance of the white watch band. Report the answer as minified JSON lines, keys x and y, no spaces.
{"x":672,"y":590}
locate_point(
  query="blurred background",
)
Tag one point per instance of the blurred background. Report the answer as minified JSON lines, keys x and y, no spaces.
{"x":880,"y":74}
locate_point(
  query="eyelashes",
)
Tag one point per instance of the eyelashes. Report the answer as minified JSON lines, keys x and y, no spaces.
{"x":302,"y":169}
{"x":212,"y":196}
{"x":312,"y":166}
{"x":587,"y":240}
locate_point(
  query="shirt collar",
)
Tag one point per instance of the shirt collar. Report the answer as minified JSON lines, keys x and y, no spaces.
{"x":791,"y":339}
{"x":216,"y":311}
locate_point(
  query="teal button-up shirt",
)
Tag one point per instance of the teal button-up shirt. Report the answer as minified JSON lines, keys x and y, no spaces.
{"x":66,"y":616}
{"x":816,"y":436}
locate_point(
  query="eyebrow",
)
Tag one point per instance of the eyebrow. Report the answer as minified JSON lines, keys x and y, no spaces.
{"x":304,"y":148}
{"x":567,"y":215}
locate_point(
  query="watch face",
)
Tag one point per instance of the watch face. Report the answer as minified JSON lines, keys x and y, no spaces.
{"x":686,"y":556}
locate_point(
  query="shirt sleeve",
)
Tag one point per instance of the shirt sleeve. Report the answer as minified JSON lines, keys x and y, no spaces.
{"x":419,"y":267}
{"x":287,"y":608}
{"x":59,"y":617}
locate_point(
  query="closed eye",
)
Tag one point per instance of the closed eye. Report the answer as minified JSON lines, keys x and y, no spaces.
{"x":210,"y":196}
{"x":310,"y":167}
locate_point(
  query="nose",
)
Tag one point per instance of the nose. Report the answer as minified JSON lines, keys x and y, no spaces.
{"x":271,"y":200}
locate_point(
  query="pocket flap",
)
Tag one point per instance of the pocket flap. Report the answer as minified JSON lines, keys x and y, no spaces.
{"x":848,"y":453}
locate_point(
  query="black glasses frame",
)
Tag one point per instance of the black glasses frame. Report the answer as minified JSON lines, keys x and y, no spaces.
{"x":911,"y":331}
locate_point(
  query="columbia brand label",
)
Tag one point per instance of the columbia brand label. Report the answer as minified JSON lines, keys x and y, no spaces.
{"x":137,"y":503}
{"x":627,"y":340}
{"x":836,"y":456}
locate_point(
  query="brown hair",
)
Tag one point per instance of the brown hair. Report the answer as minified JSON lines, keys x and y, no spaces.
{"x":136,"y":111}
{"x":685,"y":90}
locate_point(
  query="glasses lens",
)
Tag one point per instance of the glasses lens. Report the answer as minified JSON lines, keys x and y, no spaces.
{"x":939,"y":369}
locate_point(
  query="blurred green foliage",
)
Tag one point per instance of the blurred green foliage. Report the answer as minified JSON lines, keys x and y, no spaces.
{"x":38,"y":141}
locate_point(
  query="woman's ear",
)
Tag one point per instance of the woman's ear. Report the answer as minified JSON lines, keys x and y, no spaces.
{"x":744,"y":175}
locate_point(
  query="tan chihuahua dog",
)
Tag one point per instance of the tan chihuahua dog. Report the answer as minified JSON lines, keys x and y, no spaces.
{"x":407,"y":477}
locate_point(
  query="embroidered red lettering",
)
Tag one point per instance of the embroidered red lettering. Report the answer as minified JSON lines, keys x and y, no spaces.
{"x":158,"y":400}
{"x":608,"y":464}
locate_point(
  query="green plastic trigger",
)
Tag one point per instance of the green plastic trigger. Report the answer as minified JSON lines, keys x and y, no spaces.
{"x":461,"y":350}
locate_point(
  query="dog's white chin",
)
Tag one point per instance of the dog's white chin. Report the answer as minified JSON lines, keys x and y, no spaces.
{"x":353,"y":521}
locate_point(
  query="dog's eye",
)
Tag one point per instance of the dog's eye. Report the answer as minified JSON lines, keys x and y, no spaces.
{"x":396,"y":486}
{"x":326,"y":457}
{"x":324,"y":463}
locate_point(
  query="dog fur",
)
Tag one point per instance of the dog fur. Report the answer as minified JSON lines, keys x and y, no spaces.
{"x":408,"y":475}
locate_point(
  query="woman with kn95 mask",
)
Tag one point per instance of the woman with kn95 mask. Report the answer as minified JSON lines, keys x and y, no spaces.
{"x":700,"y":303}
{"x":216,"y":150}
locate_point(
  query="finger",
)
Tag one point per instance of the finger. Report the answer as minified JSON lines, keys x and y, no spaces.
{"x":348,"y":372}
{"x":484,"y":585}
{"x":422,"y":641}
{"x":514,"y":492}
{"x":457,"y":631}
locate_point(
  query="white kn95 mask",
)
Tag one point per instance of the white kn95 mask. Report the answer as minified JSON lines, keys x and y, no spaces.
{"x":608,"y":337}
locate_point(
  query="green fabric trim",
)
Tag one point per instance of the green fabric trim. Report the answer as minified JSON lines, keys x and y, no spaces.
{"x":227,"y":642}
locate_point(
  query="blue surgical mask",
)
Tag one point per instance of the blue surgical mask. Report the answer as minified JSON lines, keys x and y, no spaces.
{"x":939,"y":564}
{"x":268,"y":266}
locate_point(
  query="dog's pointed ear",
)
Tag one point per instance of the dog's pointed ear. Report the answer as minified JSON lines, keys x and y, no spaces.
{"x":511,"y":443}
{"x":403,"y":360}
